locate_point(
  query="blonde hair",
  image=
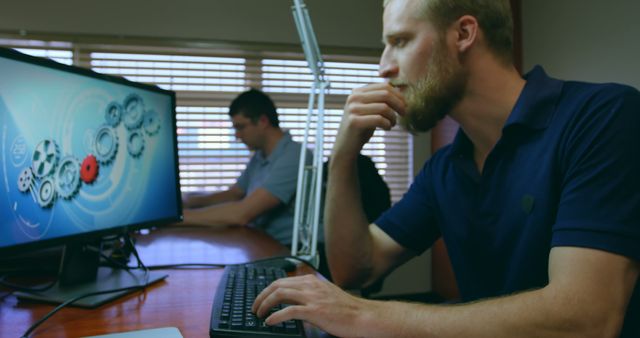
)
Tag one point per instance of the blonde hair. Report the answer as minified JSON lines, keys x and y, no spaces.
{"x":494,"y":17}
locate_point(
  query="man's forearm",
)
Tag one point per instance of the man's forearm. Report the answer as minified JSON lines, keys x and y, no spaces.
{"x":202,"y":200}
{"x":349,"y":240}
{"x":346,"y":227}
{"x":217,"y":215}
{"x":536,"y":313}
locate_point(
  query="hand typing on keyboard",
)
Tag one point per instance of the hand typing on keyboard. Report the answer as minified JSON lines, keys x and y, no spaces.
{"x":316,"y":301}
{"x":231,"y":315}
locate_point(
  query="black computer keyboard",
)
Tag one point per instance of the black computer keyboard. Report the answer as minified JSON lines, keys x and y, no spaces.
{"x":231,"y":315}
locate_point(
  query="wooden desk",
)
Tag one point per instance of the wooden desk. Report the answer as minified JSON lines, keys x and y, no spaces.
{"x":183,"y":300}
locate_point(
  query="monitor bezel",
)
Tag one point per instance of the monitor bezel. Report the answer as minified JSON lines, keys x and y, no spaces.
{"x":91,"y":236}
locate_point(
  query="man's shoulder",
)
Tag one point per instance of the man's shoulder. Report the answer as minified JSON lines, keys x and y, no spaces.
{"x":291,"y":151}
{"x":253,"y":164}
{"x":583,"y":102}
{"x":598,"y":92}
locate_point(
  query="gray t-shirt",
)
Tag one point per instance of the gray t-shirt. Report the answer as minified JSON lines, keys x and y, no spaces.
{"x":278,"y":175}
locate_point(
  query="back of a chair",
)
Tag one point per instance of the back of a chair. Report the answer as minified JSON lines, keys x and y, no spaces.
{"x":375,"y":194}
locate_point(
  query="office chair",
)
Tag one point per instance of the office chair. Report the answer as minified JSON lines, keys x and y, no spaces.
{"x":376,"y":198}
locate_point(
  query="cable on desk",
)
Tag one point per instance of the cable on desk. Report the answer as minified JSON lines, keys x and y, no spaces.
{"x":75,"y":299}
{"x":187,"y":265}
{"x":120,"y":261}
{"x":222,"y":266}
{"x":16,"y":287}
{"x":4,"y":274}
{"x":147,"y":269}
{"x":116,"y":264}
{"x":28,"y":271}
{"x":140,"y":263}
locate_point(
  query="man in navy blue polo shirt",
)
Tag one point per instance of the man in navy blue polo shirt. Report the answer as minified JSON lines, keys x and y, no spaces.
{"x":537,"y":199}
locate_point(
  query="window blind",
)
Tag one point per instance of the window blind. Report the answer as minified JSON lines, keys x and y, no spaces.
{"x":207,"y":79}
{"x":55,"y":50}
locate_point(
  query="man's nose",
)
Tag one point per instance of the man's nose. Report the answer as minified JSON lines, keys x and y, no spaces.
{"x":388,"y":66}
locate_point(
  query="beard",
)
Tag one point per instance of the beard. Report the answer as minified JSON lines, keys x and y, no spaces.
{"x":432,"y":97}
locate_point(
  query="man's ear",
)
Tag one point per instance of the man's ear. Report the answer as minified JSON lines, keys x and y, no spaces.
{"x":467,"y":30}
{"x":263,"y":121}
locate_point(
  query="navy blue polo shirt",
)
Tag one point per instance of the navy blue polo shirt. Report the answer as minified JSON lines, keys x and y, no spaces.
{"x":566,"y":172}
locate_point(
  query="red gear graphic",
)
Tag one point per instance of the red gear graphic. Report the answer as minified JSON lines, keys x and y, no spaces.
{"x":89,"y":169}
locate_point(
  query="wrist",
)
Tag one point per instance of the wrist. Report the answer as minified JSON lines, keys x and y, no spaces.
{"x":350,"y":142}
{"x":342,"y":160}
{"x":371,"y":318}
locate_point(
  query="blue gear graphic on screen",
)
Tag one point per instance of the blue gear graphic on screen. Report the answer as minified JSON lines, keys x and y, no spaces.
{"x":135,"y":143}
{"x":151,"y":122}
{"x":81,"y":153}
{"x":62,"y":177}
{"x":46,"y":193}
{"x":133,"y":111}
{"x":113,"y":114}
{"x":67,"y":177}
{"x":105,"y":144}
{"x":45,"y":157}
{"x":25,"y":180}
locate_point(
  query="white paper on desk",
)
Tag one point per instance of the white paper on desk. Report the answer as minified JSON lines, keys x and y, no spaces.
{"x":163,"y":332}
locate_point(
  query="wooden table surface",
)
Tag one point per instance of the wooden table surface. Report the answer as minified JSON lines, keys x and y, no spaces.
{"x":183,"y":300}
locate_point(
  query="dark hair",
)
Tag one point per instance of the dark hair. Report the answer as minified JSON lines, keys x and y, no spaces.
{"x":252,"y":104}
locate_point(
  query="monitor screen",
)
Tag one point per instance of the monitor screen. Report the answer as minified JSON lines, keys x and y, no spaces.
{"x":83,"y":154}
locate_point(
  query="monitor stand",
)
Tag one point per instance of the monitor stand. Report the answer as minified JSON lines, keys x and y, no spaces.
{"x":80,"y":274}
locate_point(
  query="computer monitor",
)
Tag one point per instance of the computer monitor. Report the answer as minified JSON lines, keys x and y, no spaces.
{"x":83,"y":156}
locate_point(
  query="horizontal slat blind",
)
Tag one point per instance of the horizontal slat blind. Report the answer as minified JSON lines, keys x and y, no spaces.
{"x":175,"y":72}
{"x":54,"y":50}
{"x":290,"y":76}
{"x":207,"y":79}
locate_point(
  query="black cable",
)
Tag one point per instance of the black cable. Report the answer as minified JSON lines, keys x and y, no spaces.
{"x":140,"y":263}
{"x":135,"y":253}
{"x":113,"y":263}
{"x":73,"y":300}
{"x":147,"y":269}
{"x":187,"y":265}
{"x":24,"y":272}
{"x":28,"y":271}
{"x":110,"y":262}
{"x":220,"y":266}
{"x":16,"y":287}
{"x":117,"y":264}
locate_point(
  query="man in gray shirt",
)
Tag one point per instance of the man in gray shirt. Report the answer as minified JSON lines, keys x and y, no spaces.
{"x":264,"y":195}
